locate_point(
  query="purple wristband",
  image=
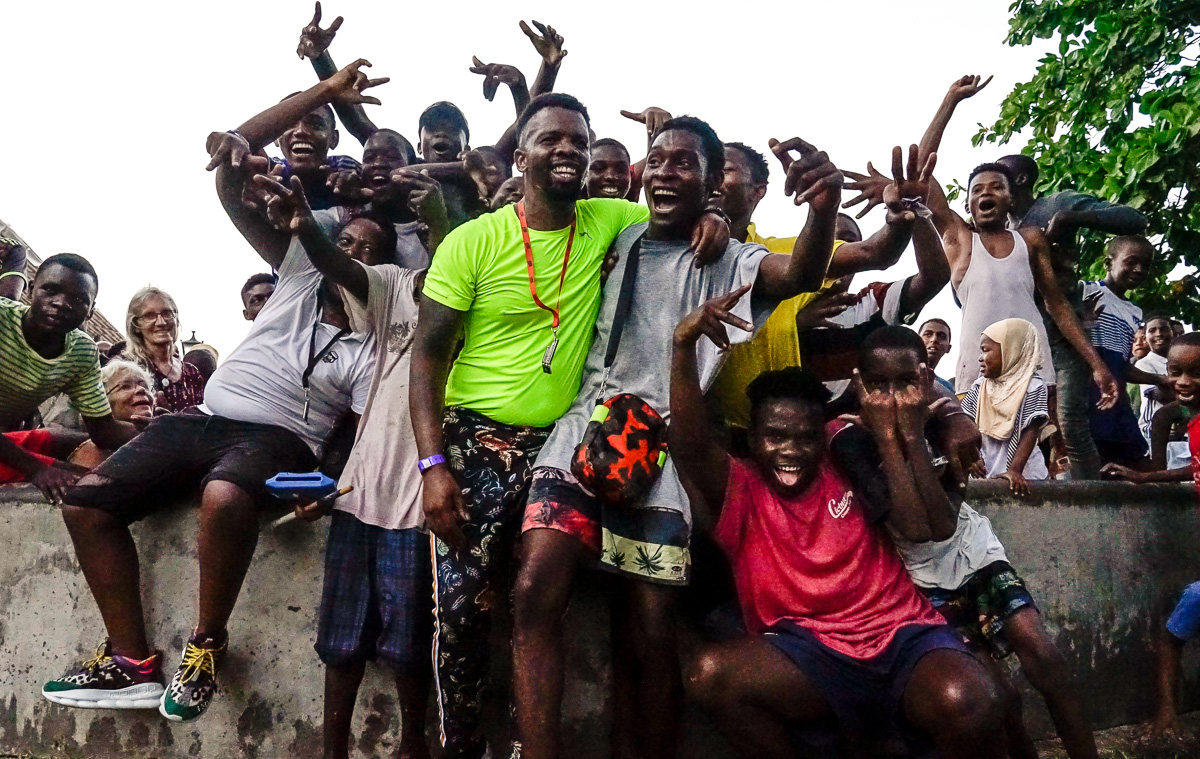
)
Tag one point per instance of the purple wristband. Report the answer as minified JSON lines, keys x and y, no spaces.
{"x":430,"y":462}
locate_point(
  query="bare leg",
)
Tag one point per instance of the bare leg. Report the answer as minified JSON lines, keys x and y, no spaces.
{"x":341,"y":691}
{"x":952,"y":697}
{"x":754,"y":692}
{"x":109,"y":561}
{"x":1047,"y":672}
{"x":1170,"y":651}
{"x":649,"y":690}
{"x":412,"y":691}
{"x":1020,"y":745}
{"x":228,"y":537}
{"x":543,"y":589}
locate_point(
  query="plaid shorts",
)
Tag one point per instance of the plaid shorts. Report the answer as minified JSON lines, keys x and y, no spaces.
{"x":978,"y":609}
{"x":376,"y":600}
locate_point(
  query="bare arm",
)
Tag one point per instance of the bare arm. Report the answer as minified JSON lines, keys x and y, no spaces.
{"x":314,"y":45}
{"x":697,"y":457}
{"x":960,"y":90}
{"x":912,"y":411}
{"x":814,"y":179}
{"x":933,"y":269}
{"x":268,"y":242}
{"x":1065,"y":317}
{"x":108,"y":433}
{"x":12,"y":269}
{"x":549,"y":45}
{"x":1025,"y":445}
{"x":334,"y":265}
{"x":879,"y":251}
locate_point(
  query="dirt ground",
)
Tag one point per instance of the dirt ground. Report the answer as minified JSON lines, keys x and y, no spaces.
{"x":1130,"y":742}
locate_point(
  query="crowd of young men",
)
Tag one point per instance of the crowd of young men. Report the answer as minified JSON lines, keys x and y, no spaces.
{"x":532,"y":366}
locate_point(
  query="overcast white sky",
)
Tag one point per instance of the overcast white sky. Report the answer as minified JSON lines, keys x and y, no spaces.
{"x":108,"y":105}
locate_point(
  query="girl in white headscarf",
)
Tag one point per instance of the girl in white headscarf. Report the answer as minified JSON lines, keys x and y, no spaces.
{"x":1008,"y":402}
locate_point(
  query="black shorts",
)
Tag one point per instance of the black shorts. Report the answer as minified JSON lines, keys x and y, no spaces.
{"x":180,"y":452}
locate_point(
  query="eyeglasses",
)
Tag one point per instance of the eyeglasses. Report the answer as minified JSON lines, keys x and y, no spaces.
{"x":166,"y":316}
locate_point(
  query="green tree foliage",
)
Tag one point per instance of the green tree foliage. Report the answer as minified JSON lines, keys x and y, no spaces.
{"x":1116,"y":113}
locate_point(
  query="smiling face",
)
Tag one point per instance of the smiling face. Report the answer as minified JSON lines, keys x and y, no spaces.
{"x":157,"y":322}
{"x":307,"y":144}
{"x":62,"y":299}
{"x":787,"y":442}
{"x":609,"y":174}
{"x":989,"y":198}
{"x":363,"y":240}
{"x":991,"y":360}
{"x":676,"y":181}
{"x":383,"y":153}
{"x":936,"y":337}
{"x":738,"y":194}
{"x":554,"y":154}
{"x":129,"y":395}
{"x":1158,"y":335}
{"x":1129,"y":263}
{"x":1183,"y":372}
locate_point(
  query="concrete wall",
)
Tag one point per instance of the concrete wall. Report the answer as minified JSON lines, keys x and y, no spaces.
{"x":1105,"y":561}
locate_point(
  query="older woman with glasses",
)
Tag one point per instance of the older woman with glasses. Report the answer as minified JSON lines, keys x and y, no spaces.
{"x":152,"y":329}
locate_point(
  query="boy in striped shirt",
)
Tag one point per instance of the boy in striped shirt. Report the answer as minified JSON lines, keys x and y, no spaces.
{"x":43,"y":353}
{"x":1112,"y":331}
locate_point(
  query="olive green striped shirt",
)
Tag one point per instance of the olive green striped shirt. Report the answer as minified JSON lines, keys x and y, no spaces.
{"x":27,"y":379}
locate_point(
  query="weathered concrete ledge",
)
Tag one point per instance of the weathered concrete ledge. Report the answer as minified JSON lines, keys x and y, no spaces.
{"x":1106,"y":562}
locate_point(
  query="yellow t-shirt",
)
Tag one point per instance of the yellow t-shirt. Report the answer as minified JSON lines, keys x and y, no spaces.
{"x":776,"y":346}
{"x":480,"y":269}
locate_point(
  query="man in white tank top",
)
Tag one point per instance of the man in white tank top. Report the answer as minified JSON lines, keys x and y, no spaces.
{"x":995,"y":273}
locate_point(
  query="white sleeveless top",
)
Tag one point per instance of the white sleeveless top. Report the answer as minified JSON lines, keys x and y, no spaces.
{"x":994,"y":289}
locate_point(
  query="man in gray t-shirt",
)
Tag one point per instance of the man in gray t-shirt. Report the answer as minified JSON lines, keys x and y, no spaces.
{"x":648,"y":541}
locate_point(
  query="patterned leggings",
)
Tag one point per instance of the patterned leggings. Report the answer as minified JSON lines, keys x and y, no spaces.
{"x":494,"y":464}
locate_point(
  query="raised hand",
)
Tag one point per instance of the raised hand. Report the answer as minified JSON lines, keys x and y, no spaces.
{"x":313,"y":39}
{"x":548,"y":44}
{"x":347,"y":85}
{"x":818,"y":311}
{"x":966,"y":87}
{"x":652,"y":117}
{"x":812,"y":178}
{"x":710,"y":319}
{"x":912,"y":405}
{"x":424,"y":194}
{"x":870,"y":187}
{"x":877,"y":409}
{"x":905,"y":191}
{"x":495,"y":74}
{"x":287,"y":208}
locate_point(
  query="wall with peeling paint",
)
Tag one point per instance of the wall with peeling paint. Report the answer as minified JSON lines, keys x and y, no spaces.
{"x":1105,"y":562}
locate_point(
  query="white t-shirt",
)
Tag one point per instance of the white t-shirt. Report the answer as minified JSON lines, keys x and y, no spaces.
{"x":948,"y":564}
{"x":1155,"y":364}
{"x":383,"y":464}
{"x":261,"y":380}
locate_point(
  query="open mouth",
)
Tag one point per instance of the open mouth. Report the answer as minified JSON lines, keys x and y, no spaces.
{"x":609,"y":191}
{"x":565,"y":173}
{"x":303,"y":149}
{"x":788,"y":476}
{"x":663,"y":200}
{"x":1185,"y":396}
{"x":987,"y":205}
{"x":379,"y":179}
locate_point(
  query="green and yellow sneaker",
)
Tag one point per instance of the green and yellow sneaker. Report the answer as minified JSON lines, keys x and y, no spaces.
{"x":109,"y":682}
{"x":195,"y":682}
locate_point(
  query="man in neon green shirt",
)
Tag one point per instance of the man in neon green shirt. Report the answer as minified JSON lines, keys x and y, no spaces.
{"x":526,"y":313}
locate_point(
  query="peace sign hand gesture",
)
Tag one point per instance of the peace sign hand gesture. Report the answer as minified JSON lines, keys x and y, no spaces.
{"x":710,"y":319}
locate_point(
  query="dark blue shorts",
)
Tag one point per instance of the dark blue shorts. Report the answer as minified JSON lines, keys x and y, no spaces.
{"x":865,"y":694}
{"x":377,"y":599}
{"x":1184,"y":622}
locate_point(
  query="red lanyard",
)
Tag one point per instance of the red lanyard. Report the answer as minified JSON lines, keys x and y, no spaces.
{"x":562,"y":277}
